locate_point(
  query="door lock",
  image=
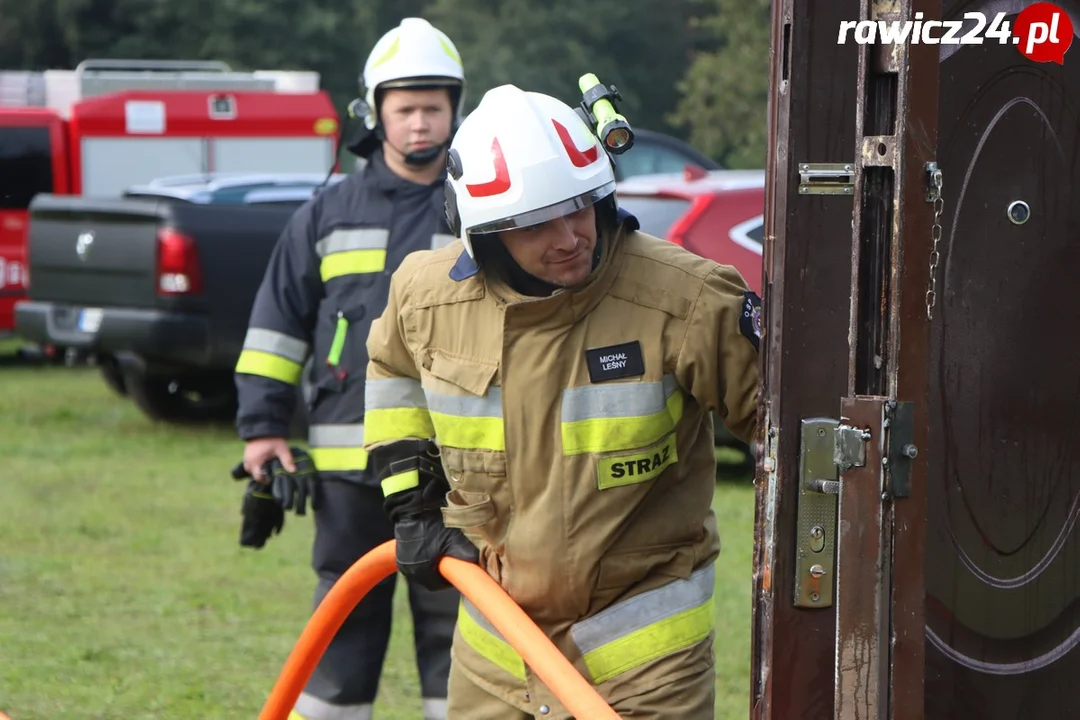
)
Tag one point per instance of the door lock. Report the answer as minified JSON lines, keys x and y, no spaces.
{"x":825,"y":448}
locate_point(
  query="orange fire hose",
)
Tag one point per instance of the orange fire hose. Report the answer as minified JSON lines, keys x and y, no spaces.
{"x":538,"y":652}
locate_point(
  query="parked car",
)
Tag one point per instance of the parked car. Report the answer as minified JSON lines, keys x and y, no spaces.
{"x":158,"y":284}
{"x":655,"y":152}
{"x":718,"y":215}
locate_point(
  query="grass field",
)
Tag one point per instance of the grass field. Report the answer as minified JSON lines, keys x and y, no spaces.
{"x":124,"y":593}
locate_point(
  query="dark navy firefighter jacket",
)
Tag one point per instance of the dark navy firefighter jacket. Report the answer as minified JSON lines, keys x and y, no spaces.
{"x":327,"y":281}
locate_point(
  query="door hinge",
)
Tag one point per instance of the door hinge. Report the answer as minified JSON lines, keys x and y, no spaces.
{"x":826,"y":178}
{"x":899,"y":426}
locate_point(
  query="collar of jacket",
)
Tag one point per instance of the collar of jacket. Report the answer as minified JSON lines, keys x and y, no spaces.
{"x":389,"y":182}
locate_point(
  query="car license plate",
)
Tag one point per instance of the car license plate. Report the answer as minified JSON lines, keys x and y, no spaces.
{"x":90,"y":319}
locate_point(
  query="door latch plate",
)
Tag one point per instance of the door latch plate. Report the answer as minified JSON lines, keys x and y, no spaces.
{"x":826,"y":178}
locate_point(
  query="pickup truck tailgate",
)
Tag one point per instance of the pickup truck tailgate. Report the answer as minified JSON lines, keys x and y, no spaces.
{"x":95,"y":251}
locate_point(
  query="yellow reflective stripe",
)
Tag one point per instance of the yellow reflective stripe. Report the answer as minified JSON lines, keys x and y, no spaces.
{"x":338,"y":446}
{"x":482,"y":637}
{"x":393,"y":393}
{"x":342,"y":239}
{"x":339,"y":459}
{"x":347,"y":251}
{"x":276,"y":343}
{"x":469,"y":433}
{"x":647,"y":626}
{"x":613,"y":434}
{"x":397,"y":424}
{"x":468,"y":422}
{"x":401,"y":481}
{"x":258,"y":362}
{"x":660,"y":639}
{"x":352,"y":262}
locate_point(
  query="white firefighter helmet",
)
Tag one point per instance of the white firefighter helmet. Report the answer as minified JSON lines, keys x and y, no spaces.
{"x":521,"y":159}
{"x":414,"y":53}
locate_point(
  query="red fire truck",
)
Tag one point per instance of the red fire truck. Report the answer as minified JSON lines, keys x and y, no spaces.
{"x":111,"y":124}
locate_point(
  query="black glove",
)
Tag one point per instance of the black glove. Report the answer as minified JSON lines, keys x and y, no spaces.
{"x":416,"y":511}
{"x":263,"y":515}
{"x":292,"y":489}
{"x":265,"y":503}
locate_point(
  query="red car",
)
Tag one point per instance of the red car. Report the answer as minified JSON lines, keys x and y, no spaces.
{"x":717,"y":214}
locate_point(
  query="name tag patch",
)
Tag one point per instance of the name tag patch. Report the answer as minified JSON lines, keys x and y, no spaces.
{"x":637,"y":467}
{"x":615,"y":361}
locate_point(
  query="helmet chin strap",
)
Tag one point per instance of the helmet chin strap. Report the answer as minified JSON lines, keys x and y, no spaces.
{"x":425,"y":157}
{"x":417,"y":158}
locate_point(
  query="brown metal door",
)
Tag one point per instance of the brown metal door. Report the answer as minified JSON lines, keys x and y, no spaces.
{"x":805,"y":293}
{"x":838,"y":618}
{"x":1003,"y":552}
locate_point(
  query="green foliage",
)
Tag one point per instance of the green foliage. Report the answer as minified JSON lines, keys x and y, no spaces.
{"x":692,"y":68}
{"x":724,"y":94}
{"x":640,"y":46}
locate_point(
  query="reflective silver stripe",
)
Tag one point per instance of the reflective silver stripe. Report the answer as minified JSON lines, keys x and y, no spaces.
{"x":489,"y":405}
{"x":434,"y":709}
{"x":479,"y":619}
{"x":644,"y":610}
{"x":344,"y":435}
{"x":393,"y":393}
{"x":276,"y":343}
{"x":355,"y":239}
{"x":313,"y":708}
{"x":439,"y":241}
{"x":591,"y":402}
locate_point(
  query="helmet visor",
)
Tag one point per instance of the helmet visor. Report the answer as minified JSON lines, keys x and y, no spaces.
{"x":551,"y":212}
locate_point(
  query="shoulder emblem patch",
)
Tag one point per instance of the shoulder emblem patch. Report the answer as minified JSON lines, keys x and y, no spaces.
{"x":750,"y":318}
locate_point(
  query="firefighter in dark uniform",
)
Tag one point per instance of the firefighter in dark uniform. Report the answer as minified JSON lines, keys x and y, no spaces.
{"x":327,"y":280}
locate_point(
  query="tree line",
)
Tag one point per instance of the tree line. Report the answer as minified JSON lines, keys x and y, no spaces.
{"x":696,"y":69}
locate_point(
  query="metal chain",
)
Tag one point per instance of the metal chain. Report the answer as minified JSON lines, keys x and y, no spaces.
{"x":934,"y":195}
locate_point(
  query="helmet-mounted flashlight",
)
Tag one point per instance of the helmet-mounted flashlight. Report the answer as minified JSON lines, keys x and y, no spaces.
{"x":358,"y":109}
{"x":599,"y":111}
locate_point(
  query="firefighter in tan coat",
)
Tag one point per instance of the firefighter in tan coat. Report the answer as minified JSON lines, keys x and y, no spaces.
{"x":538,"y":401}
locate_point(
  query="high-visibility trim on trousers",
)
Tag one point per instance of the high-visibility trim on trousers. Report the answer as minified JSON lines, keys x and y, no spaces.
{"x":309,"y":707}
{"x":338,"y":448}
{"x":352,"y":251}
{"x":619,"y":416}
{"x":432,"y":709}
{"x":644,"y":628}
{"x":482,"y":637}
{"x":272,"y":354}
{"x":647,"y":626}
{"x":396,"y":409}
